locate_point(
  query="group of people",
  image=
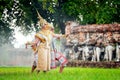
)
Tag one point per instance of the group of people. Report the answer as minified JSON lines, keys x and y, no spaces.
{"x":98,"y":46}
{"x":45,"y":51}
{"x":102,"y":49}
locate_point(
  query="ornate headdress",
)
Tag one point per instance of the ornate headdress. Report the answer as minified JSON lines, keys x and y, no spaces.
{"x":43,"y":22}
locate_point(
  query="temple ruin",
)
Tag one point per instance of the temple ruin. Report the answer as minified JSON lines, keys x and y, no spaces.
{"x":94,"y":35}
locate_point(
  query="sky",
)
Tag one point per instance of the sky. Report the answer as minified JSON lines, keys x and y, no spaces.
{"x":21,"y":39}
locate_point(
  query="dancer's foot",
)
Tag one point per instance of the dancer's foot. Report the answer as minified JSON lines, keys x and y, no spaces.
{"x":44,"y":71}
{"x":33,"y":68}
{"x":38,"y":71}
{"x":61,"y":69}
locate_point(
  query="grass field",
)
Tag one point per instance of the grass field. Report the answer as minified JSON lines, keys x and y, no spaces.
{"x":74,"y":73}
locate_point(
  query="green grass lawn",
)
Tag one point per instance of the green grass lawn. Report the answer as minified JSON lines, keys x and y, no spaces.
{"x":74,"y":73}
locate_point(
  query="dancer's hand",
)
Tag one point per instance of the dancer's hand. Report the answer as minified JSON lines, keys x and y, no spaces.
{"x":55,"y":50}
{"x":26,"y":45}
{"x":67,"y":35}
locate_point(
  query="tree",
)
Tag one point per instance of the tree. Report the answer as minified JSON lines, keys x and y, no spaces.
{"x":23,"y":12}
{"x":5,"y":31}
{"x":93,"y":11}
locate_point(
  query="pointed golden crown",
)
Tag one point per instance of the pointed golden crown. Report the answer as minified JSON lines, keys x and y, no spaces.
{"x":41,"y":20}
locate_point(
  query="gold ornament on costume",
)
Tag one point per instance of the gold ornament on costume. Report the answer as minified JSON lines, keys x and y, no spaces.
{"x":43,"y":22}
{"x":34,"y":47}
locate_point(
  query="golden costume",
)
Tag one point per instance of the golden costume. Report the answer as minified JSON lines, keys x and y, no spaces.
{"x":44,"y":58}
{"x":43,"y":46}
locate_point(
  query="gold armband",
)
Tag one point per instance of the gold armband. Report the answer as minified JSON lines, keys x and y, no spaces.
{"x":64,"y":36}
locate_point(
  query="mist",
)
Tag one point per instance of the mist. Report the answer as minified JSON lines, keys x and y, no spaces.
{"x":10,"y":56}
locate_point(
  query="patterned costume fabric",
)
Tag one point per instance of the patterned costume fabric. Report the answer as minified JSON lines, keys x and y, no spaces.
{"x":44,"y":58}
{"x":56,"y":56}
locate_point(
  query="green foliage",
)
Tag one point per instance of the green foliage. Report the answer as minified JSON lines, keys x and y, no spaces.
{"x":49,"y":5}
{"x":93,"y":11}
{"x":106,"y":12}
{"x":60,"y":11}
{"x":5,"y":31}
{"x":5,"y":4}
{"x":71,"y":8}
{"x":69,"y":73}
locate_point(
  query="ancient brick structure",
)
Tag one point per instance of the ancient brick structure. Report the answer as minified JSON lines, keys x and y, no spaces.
{"x":80,"y":33}
{"x":93,"y":36}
